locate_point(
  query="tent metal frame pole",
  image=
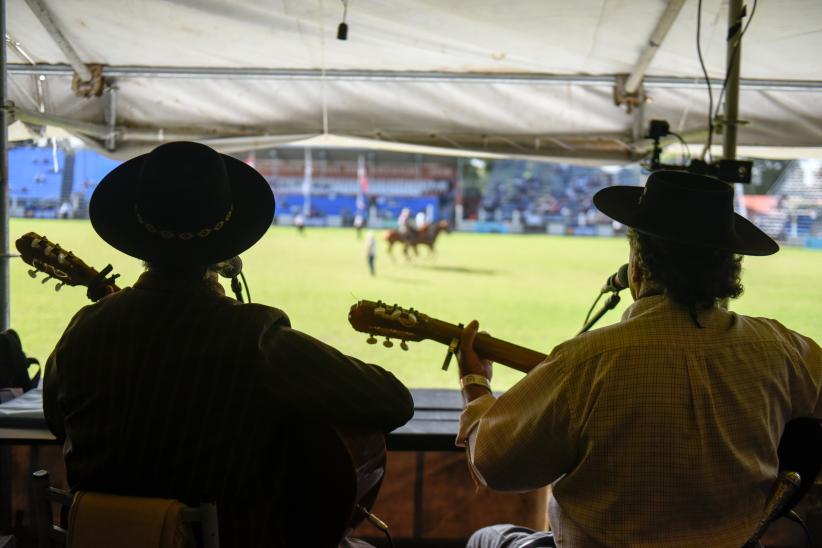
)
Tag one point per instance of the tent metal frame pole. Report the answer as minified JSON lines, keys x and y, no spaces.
{"x":607,"y":80}
{"x":44,"y":16}
{"x":638,"y":123}
{"x":733,"y":65}
{"x":110,"y":116}
{"x":33,"y":117}
{"x":4,"y":181}
{"x":663,"y":25}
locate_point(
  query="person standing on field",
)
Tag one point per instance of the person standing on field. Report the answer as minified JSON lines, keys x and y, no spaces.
{"x":371,"y":251}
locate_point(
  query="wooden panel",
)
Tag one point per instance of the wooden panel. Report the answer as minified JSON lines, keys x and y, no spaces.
{"x":431,"y":495}
{"x":22,"y":461}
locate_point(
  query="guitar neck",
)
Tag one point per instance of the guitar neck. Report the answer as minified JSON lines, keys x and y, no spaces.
{"x":508,"y":354}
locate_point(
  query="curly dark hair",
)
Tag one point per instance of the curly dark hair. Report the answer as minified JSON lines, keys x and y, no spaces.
{"x":695,"y":276}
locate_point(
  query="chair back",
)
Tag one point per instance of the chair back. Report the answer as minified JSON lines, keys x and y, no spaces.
{"x":138,"y":522}
{"x":16,"y":369}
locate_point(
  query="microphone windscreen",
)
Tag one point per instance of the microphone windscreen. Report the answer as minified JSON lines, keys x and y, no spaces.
{"x":230,"y":268}
{"x":622,"y":275}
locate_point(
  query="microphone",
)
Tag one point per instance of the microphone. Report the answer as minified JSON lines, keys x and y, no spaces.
{"x":230,"y":268}
{"x":617,"y":281}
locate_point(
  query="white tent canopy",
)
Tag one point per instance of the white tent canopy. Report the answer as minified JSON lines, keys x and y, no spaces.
{"x":522,"y":77}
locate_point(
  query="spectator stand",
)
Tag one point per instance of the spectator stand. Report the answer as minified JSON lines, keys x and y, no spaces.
{"x":335,"y":192}
{"x":49,"y":182}
{"x":790,"y":212}
{"x":89,"y":169}
{"x":36,"y":178}
{"x":534,"y":197}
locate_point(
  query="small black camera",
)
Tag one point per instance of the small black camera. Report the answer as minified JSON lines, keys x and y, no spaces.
{"x":658,"y":129}
{"x":729,"y":171}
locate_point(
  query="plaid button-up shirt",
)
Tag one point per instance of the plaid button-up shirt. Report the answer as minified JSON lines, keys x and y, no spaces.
{"x":653,"y":431}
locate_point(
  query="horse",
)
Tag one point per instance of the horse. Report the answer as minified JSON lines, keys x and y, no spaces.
{"x":427,"y":236}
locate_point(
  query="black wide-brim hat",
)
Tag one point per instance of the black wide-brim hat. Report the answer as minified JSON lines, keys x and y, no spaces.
{"x":685,"y":208}
{"x":182,"y":203}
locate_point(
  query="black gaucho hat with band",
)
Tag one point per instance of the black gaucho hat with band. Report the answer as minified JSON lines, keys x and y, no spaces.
{"x":685,"y":208}
{"x":182,"y":203}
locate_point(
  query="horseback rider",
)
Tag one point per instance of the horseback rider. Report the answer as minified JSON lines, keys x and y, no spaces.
{"x":404,"y":224}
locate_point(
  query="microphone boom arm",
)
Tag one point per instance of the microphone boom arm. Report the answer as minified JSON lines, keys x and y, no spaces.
{"x":610,"y":304}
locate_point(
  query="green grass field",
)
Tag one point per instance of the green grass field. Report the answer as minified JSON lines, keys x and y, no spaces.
{"x":530,"y":290}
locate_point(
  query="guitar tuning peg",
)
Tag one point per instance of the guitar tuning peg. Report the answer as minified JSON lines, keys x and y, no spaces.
{"x":32,"y":273}
{"x":59,"y":286}
{"x":47,"y":278}
{"x":404,"y":345}
{"x":387,"y":343}
{"x":371,"y":339}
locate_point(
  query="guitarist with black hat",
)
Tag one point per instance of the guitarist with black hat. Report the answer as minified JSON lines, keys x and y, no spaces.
{"x":171,"y":389}
{"x":661,"y":430}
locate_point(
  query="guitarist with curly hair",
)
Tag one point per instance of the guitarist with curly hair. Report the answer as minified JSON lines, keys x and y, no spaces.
{"x":662,"y":429}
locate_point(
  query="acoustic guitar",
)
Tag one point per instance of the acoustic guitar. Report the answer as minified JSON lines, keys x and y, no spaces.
{"x":800,"y":448}
{"x":407,"y":324}
{"x":333,"y":474}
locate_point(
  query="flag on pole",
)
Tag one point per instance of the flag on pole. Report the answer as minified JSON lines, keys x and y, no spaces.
{"x":307,"y":183}
{"x":251,"y":159}
{"x":362,"y":179}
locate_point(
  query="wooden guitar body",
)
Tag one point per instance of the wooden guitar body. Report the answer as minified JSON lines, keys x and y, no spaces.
{"x":329,"y":475}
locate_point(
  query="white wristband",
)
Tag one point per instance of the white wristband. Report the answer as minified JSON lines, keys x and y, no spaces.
{"x":480,"y":380}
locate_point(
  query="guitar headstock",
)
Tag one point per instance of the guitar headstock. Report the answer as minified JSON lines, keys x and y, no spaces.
{"x":61,"y":265}
{"x":54,"y":261}
{"x":389,"y":321}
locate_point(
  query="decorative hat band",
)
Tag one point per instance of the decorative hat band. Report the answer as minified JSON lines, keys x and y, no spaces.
{"x":185,"y":236}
